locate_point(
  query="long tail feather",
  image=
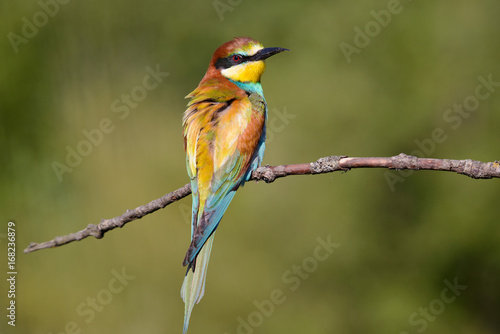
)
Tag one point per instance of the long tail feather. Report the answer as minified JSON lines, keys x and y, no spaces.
{"x":193,"y":287}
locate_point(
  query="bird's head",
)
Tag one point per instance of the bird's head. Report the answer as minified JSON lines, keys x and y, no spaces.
{"x":242,"y":59}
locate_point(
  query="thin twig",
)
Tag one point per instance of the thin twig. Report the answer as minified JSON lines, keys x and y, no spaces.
{"x":471,"y":168}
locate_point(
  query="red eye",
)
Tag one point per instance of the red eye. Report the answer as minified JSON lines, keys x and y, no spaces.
{"x":237,"y":58}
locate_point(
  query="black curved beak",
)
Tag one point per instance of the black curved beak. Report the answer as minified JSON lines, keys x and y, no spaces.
{"x":266,"y":53}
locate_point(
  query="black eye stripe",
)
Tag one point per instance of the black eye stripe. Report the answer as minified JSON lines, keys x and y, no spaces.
{"x":227,"y":62}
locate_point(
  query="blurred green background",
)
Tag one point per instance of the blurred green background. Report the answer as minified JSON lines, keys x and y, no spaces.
{"x":399,"y":242}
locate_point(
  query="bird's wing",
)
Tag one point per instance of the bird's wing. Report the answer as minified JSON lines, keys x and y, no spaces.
{"x":217,"y":161}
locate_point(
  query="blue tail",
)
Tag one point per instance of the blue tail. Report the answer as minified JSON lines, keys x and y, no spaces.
{"x":193,"y":287}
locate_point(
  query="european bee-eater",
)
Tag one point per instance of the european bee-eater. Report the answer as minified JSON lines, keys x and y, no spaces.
{"x":224,"y":135}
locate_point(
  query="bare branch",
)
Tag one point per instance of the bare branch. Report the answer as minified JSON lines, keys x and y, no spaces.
{"x":471,"y":168}
{"x":105,"y":225}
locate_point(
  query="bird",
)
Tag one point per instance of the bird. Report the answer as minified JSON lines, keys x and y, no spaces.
{"x":224,"y":131}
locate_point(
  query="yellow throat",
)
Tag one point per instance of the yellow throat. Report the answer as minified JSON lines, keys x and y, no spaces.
{"x":246,"y":72}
